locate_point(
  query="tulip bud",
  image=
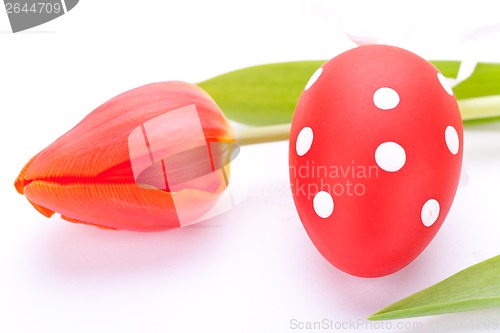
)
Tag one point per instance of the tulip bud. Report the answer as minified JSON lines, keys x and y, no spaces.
{"x":152,"y":158}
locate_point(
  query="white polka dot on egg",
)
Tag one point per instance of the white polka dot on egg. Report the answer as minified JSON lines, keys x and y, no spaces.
{"x":386,"y":98}
{"x":323,"y":204}
{"x":314,"y":78}
{"x":445,"y":84}
{"x":304,"y":141}
{"x":430,"y":212}
{"x":390,"y":156}
{"x":451,"y":138}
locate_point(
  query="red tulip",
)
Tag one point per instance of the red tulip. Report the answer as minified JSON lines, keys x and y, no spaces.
{"x":148,"y":159}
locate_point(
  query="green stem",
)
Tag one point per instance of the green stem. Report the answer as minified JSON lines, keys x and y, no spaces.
{"x":480,"y":107}
{"x":262,"y":134}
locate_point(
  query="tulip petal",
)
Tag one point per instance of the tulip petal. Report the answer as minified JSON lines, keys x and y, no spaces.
{"x":42,"y":210}
{"x":87,"y":174}
{"x":21,"y":181}
{"x":69,"y":219}
{"x":119,"y":206}
{"x":98,"y":144}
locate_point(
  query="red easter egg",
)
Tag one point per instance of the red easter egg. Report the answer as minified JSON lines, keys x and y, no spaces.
{"x":375,"y":158}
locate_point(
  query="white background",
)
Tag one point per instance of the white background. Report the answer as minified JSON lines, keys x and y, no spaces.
{"x":252,"y":269}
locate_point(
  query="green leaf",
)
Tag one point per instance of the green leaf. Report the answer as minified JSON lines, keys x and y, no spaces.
{"x":473,"y":288}
{"x":261,"y":95}
{"x":479,"y":95}
{"x":446,"y":67}
{"x":267,"y":94}
{"x":485,"y":81}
